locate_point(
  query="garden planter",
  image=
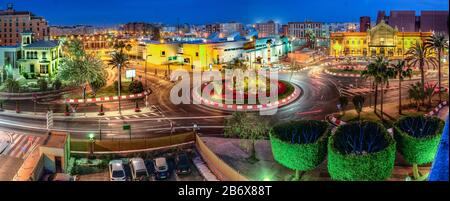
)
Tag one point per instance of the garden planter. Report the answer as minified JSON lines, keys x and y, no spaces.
{"x":300,"y":145}
{"x":361,"y":152}
{"x":418,"y":139}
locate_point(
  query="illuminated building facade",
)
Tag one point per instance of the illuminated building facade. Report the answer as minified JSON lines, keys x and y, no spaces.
{"x":13,"y":22}
{"x":381,"y":40}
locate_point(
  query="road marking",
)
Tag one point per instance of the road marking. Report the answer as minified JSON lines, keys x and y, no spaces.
{"x":135,"y":116}
{"x":309,"y":112}
{"x":19,"y":146}
{"x":126,"y":117}
{"x":16,"y":139}
{"x":118,"y":118}
{"x":145,"y":115}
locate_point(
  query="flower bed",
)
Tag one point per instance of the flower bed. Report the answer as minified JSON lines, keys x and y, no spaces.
{"x":361,"y":152}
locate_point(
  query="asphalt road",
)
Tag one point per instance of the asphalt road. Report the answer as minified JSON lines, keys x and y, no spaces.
{"x":320,"y":93}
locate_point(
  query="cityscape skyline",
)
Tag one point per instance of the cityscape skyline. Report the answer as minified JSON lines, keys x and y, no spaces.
{"x":113,"y":13}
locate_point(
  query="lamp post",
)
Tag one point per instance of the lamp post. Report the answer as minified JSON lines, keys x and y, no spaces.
{"x":145,"y":70}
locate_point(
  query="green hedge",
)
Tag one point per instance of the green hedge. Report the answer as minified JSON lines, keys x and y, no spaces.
{"x":361,"y":167}
{"x":296,"y":156}
{"x":420,"y":149}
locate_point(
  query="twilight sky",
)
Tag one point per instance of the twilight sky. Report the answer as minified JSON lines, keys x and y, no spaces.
{"x":110,"y":12}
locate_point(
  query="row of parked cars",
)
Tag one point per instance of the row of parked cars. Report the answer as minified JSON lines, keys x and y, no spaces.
{"x":141,"y":170}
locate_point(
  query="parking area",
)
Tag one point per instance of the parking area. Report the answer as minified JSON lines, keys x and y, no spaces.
{"x":172,"y":162}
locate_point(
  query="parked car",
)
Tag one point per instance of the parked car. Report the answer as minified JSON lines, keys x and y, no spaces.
{"x":182,"y":164}
{"x":59,"y":177}
{"x":161,"y":168}
{"x":116,"y":171}
{"x":138,"y":169}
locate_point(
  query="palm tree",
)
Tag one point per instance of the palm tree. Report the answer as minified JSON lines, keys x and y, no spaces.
{"x":371,"y":72}
{"x":419,"y":54}
{"x":381,"y":72}
{"x":119,"y":60}
{"x":438,"y":43}
{"x":79,"y":67}
{"x":401,"y":73}
{"x":429,"y":92}
{"x":416,"y":93}
{"x":12,"y":85}
{"x":385,"y":73}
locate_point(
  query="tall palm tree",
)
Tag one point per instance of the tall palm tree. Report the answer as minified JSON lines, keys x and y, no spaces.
{"x":371,"y":72}
{"x":119,"y":60}
{"x":438,"y":43}
{"x":385,"y":72}
{"x":380,"y":71}
{"x":401,"y":72}
{"x":419,"y":54}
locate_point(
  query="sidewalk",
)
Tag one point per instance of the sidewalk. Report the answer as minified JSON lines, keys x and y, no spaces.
{"x":87,"y":115}
{"x":230,"y":151}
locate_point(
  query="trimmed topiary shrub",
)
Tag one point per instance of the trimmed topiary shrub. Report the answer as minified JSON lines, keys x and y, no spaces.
{"x":361,"y":151}
{"x":418,"y":139}
{"x":300,"y":145}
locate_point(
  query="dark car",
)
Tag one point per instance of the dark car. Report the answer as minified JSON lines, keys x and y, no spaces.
{"x":182,"y":165}
{"x":161,"y":168}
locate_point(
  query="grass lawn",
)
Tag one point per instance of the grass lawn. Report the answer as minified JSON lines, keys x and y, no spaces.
{"x":390,"y":110}
{"x":105,"y":92}
{"x":134,"y":144}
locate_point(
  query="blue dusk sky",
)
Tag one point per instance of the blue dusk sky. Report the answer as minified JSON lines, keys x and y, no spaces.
{"x":110,"y":12}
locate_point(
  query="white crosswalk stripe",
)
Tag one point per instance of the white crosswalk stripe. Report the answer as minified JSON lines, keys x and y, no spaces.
{"x":22,"y":145}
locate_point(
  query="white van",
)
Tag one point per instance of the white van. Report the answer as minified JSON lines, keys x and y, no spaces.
{"x":138,"y":169}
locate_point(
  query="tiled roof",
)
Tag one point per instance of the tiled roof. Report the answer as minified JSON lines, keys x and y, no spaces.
{"x":43,"y":44}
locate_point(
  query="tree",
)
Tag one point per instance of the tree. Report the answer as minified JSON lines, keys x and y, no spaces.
{"x":371,"y":72}
{"x":438,"y":43}
{"x":79,"y":67}
{"x":419,"y":54}
{"x":380,"y":71}
{"x":429,"y":92}
{"x":247,"y":127}
{"x":119,"y":60}
{"x":358,"y":102}
{"x":57,"y":84}
{"x":416,"y":92}
{"x":401,"y":72}
{"x":343,"y":102}
{"x":238,"y":64}
{"x":136,"y":87}
{"x":311,"y":38}
{"x":12,"y":85}
{"x":43,"y":84}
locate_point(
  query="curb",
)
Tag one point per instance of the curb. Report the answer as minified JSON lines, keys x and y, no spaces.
{"x":108,"y":99}
{"x":234,"y":107}
{"x":335,"y":121}
{"x":437,"y":109}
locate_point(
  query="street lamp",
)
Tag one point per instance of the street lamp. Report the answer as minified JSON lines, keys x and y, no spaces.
{"x":91,"y":142}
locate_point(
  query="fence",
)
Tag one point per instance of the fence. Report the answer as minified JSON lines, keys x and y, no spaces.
{"x":221,"y":169}
{"x":134,"y":144}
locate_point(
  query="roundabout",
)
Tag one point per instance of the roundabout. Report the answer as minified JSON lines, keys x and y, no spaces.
{"x":217,"y":99}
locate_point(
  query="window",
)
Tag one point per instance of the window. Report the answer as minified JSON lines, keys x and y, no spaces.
{"x":44,"y":55}
{"x":44,"y":69}
{"x":163,"y":53}
{"x":196,"y":54}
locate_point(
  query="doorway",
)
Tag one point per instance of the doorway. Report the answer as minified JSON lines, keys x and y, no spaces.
{"x":58,"y":164}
